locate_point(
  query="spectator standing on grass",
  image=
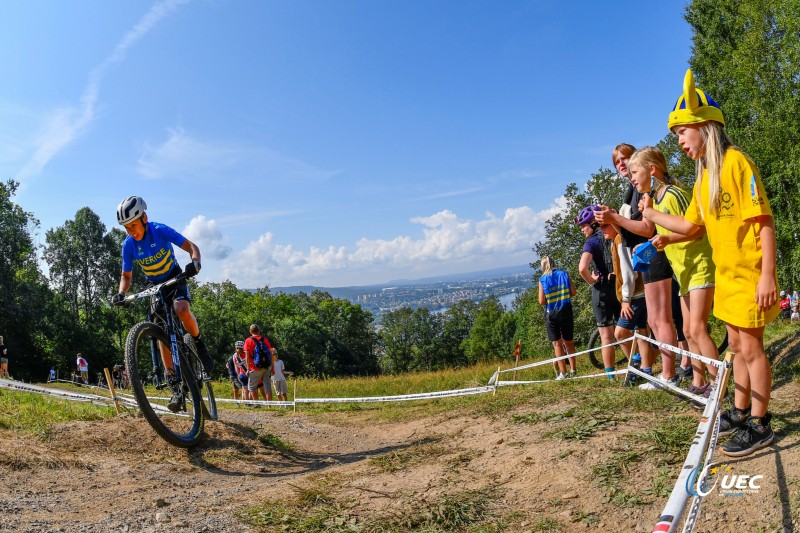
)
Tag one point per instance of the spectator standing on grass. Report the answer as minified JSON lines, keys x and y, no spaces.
{"x":83,"y":368}
{"x":279,"y":374}
{"x":730,"y":203}
{"x":630,"y":293}
{"x":597,"y":253}
{"x":52,"y":376}
{"x":555,"y":294}
{"x":786,"y":306}
{"x":689,"y":257}
{"x":256,"y":374}
{"x":236,"y":365}
{"x":3,"y":360}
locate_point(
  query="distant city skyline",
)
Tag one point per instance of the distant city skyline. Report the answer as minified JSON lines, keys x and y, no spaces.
{"x":331,"y":143}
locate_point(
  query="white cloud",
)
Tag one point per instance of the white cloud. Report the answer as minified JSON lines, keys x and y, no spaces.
{"x":208,"y":237}
{"x":446,"y":239}
{"x":65,"y":125}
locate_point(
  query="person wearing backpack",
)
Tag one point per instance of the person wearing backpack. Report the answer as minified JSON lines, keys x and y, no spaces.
{"x":257,"y":351}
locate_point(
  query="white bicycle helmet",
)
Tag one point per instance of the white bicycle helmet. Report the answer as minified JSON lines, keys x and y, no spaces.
{"x":239,"y":344}
{"x":130,"y":209}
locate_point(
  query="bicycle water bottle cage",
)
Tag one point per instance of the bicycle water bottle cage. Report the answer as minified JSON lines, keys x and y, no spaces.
{"x":642,"y":255}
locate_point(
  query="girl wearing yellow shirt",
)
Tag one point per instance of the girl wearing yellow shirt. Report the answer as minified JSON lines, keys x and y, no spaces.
{"x":689,"y":258}
{"x":730,"y":203}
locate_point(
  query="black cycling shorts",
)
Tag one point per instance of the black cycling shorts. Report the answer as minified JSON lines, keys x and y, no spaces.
{"x":560,"y":324}
{"x":605,"y":305}
{"x":677,"y":313}
{"x":659,"y":269}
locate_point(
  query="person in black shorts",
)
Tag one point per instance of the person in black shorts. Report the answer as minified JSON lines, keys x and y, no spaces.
{"x":606,"y":307}
{"x":555,"y":293}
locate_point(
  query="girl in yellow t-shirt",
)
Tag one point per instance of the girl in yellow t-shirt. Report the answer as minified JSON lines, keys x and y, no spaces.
{"x":689,"y":257}
{"x":729,"y":201}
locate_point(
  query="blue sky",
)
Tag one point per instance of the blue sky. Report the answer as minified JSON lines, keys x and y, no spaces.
{"x":331,"y":142}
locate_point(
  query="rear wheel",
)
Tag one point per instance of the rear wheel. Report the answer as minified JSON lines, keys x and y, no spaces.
{"x":596,"y":355}
{"x":209,"y":402}
{"x":182,"y":428}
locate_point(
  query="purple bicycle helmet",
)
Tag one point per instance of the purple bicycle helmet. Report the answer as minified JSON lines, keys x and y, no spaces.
{"x":586,"y":215}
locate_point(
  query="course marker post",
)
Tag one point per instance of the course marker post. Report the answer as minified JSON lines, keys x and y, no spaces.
{"x":111,"y":388}
{"x":494,"y":392}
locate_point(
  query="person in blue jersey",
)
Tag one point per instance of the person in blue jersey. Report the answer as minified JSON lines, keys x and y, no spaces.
{"x":555,"y":293}
{"x":149,"y":245}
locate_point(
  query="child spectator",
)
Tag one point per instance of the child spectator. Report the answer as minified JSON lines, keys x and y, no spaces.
{"x":83,"y":368}
{"x":630,"y":293}
{"x":555,"y":293}
{"x":689,"y":257}
{"x":729,"y":201}
{"x":279,"y":374}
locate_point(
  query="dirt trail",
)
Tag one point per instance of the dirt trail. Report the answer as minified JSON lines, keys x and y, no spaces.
{"x":117,"y":475}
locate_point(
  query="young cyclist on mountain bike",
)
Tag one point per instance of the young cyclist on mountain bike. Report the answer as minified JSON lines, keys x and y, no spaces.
{"x":149,"y":244}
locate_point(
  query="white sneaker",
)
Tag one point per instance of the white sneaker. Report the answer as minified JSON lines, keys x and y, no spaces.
{"x":654,"y":386}
{"x":560,"y":377}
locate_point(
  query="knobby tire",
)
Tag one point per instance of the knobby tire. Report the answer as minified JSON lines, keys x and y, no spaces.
{"x":183,"y":430}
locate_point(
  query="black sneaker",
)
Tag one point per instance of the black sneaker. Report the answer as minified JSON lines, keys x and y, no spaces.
{"x":733,"y":419}
{"x":176,"y":402}
{"x":754,"y":435}
{"x":685,"y":373}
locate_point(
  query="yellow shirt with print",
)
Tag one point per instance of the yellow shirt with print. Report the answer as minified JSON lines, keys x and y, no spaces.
{"x":734,"y":235}
{"x":690,"y":260}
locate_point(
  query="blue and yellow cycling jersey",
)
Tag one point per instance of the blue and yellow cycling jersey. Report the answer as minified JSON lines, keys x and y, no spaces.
{"x":153,"y":253}
{"x":556,"y":290}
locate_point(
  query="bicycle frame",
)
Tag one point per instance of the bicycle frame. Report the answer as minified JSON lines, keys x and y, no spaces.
{"x":168,"y":320}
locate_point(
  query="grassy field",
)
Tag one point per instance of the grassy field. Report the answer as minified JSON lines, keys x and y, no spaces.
{"x":35,"y":414}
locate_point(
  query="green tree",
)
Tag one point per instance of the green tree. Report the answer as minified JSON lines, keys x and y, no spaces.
{"x":746,"y":55}
{"x":24,"y":296}
{"x":492,"y":333}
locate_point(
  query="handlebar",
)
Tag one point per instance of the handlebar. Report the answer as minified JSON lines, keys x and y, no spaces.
{"x":150,"y":291}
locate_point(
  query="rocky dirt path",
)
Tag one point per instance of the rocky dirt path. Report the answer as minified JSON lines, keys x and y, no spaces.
{"x":117,"y":475}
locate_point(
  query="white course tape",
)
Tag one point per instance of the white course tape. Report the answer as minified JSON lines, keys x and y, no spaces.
{"x":554,"y":359}
{"x":255,"y":402}
{"x":401,"y":397}
{"x":600,"y":375}
{"x":674,"y":388}
{"x":73,"y":396}
{"x":680,"y":351}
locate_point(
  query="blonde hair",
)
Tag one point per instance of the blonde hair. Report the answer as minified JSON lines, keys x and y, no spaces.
{"x":547,"y":266}
{"x":650,"y":155}
{"x":716,"y":143}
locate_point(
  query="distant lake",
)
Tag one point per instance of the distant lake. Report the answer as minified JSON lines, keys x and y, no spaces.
{"x":506,"y":301}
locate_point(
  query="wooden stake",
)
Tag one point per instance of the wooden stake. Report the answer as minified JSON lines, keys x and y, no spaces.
{"x":494,"y":392}
{"x":111,"y":388}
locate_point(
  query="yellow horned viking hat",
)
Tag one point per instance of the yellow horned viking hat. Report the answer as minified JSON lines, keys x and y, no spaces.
{"x":694,"y":106}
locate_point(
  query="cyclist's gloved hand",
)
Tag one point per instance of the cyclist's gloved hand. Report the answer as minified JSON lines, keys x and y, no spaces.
{"x":118,"y":299}
{"x":192,"y":268}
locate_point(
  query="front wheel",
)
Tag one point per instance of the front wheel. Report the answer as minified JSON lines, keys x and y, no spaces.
{"x":596,"y":355}
{"x":182,"y":427}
